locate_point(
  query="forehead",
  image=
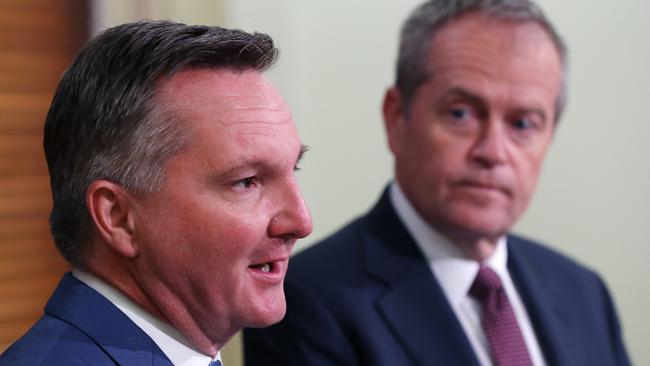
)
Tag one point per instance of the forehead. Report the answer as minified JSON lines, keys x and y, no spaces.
{"x":224,"y":103}
{"x":231,"y":117}
{"x":476,"y":26}
{"x":487,"y":49}
{"x":224,"y":96}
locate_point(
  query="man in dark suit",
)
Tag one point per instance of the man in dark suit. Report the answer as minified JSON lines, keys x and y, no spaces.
{"x":431,"y":275}
{"x":172,"y":163}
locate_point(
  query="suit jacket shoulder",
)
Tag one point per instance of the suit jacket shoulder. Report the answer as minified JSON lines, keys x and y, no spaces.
{"x":366,"y":296}
{"x":571,"y":309}
{"x":53,"y":341}
{"x":81,"y":327}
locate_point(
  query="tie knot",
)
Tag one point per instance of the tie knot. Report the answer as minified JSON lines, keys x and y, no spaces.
{"x":215,"y":363}
{"x":486,"y":283}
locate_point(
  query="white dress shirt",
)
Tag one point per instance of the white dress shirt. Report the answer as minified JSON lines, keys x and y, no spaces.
{"x":455,"y":273}
{"x":173,"y":344}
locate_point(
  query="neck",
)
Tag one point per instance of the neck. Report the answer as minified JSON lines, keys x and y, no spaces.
{"x":476,"y":247}
{"x":478,"y":250}
{"x":163,"y":306}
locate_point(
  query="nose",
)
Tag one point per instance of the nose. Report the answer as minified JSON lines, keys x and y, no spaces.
{"x":292,"y":220}
{"x":491,"y":146}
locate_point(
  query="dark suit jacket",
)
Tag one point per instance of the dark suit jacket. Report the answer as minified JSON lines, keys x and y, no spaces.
{"x":366,"y":296}
{"x":81,"y":327}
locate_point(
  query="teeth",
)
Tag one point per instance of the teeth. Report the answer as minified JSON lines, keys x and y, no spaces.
{"x":265,"y":267}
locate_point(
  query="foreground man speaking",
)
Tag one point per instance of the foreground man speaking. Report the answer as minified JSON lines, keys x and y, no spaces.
{"x":172,"y":163}
{"x":432,"y":275}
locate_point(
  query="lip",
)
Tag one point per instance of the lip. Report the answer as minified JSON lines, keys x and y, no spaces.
{"x":483,"y":187}
{"x":277,"y":271}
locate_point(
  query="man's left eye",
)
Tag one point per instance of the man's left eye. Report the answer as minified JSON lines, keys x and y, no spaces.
{"x":523,"y":124}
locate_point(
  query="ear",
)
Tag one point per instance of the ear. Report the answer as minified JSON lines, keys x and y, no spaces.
{"x":394,"y":119}
{"x":110,"y":207}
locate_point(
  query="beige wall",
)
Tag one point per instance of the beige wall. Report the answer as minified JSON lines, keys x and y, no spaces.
{"x":337,"y":59}
{"x":107,"y":13}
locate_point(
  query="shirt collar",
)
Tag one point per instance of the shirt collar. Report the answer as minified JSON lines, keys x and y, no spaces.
{"x":175,"y":346}
{"x":454,"y":271}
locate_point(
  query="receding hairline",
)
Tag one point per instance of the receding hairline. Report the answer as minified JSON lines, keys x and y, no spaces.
{"x":165,"y":87}
{"x":487,"y":16}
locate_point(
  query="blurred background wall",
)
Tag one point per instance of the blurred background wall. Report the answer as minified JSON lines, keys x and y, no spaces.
{"x":337,"y":57}
{"x":593,"y":200}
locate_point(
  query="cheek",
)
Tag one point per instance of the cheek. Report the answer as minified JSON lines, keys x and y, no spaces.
{"x":448,"y":158}
{"x":229,"y":237}
{"x":211,"y":240}
{"x":528,"y":173}
{"x":236,"y":235}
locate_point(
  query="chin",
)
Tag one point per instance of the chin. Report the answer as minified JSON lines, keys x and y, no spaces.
{"x":267,"y":313}
{"x":266,"y":321}
{"x":480,"y":223}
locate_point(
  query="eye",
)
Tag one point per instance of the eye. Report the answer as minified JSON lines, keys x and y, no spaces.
{"x":461,"y":117}
{"x":246,"y":183}
{"x":463,"y":112}
{"x":459,"y":113}
{"x":523,"y":124}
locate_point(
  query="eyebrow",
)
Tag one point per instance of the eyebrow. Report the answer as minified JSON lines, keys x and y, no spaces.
{"x":458,"y":91}
{"x":257,"y":163}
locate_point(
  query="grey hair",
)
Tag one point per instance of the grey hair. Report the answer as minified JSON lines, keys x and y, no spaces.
{"x":107,"y":120}
{"x":427,"y":19}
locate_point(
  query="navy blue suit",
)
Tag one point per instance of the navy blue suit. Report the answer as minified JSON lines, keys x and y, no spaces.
{"x":81,"y":327}
{"x":366,"y":296}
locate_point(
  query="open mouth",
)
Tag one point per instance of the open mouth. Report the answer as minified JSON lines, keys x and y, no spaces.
{"x":263,"y":267}
{"x":269,"y":271}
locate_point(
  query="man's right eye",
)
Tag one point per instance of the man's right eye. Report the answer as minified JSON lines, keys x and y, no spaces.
{"x":246,"y":183}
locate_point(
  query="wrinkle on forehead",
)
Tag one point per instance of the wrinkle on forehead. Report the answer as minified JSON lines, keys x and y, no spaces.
{"x":254,"y":111}
{"x":225,"y":96}
{"x":480,"y":26}
{"x":496,"y":54}
{"x":468,"y":38}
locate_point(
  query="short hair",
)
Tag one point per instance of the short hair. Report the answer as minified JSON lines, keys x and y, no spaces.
{"x":426,"y":20}
{"x":106,"y":121}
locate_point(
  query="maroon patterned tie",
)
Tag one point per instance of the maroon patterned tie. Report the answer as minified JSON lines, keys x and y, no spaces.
{"x":507,"y":345}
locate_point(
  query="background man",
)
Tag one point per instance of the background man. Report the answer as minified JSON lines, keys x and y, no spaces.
{"x":172,"y":162}
{"x":431,"y":274}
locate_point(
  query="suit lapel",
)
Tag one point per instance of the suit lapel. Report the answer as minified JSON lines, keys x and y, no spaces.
{"x":553,"y":327}
{"x":414,"y":305}
{"x":76,"y":303}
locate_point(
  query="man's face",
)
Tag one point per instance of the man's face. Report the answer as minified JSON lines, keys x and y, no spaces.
{"x":469,"y":152}
{"x":215,"y":240}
